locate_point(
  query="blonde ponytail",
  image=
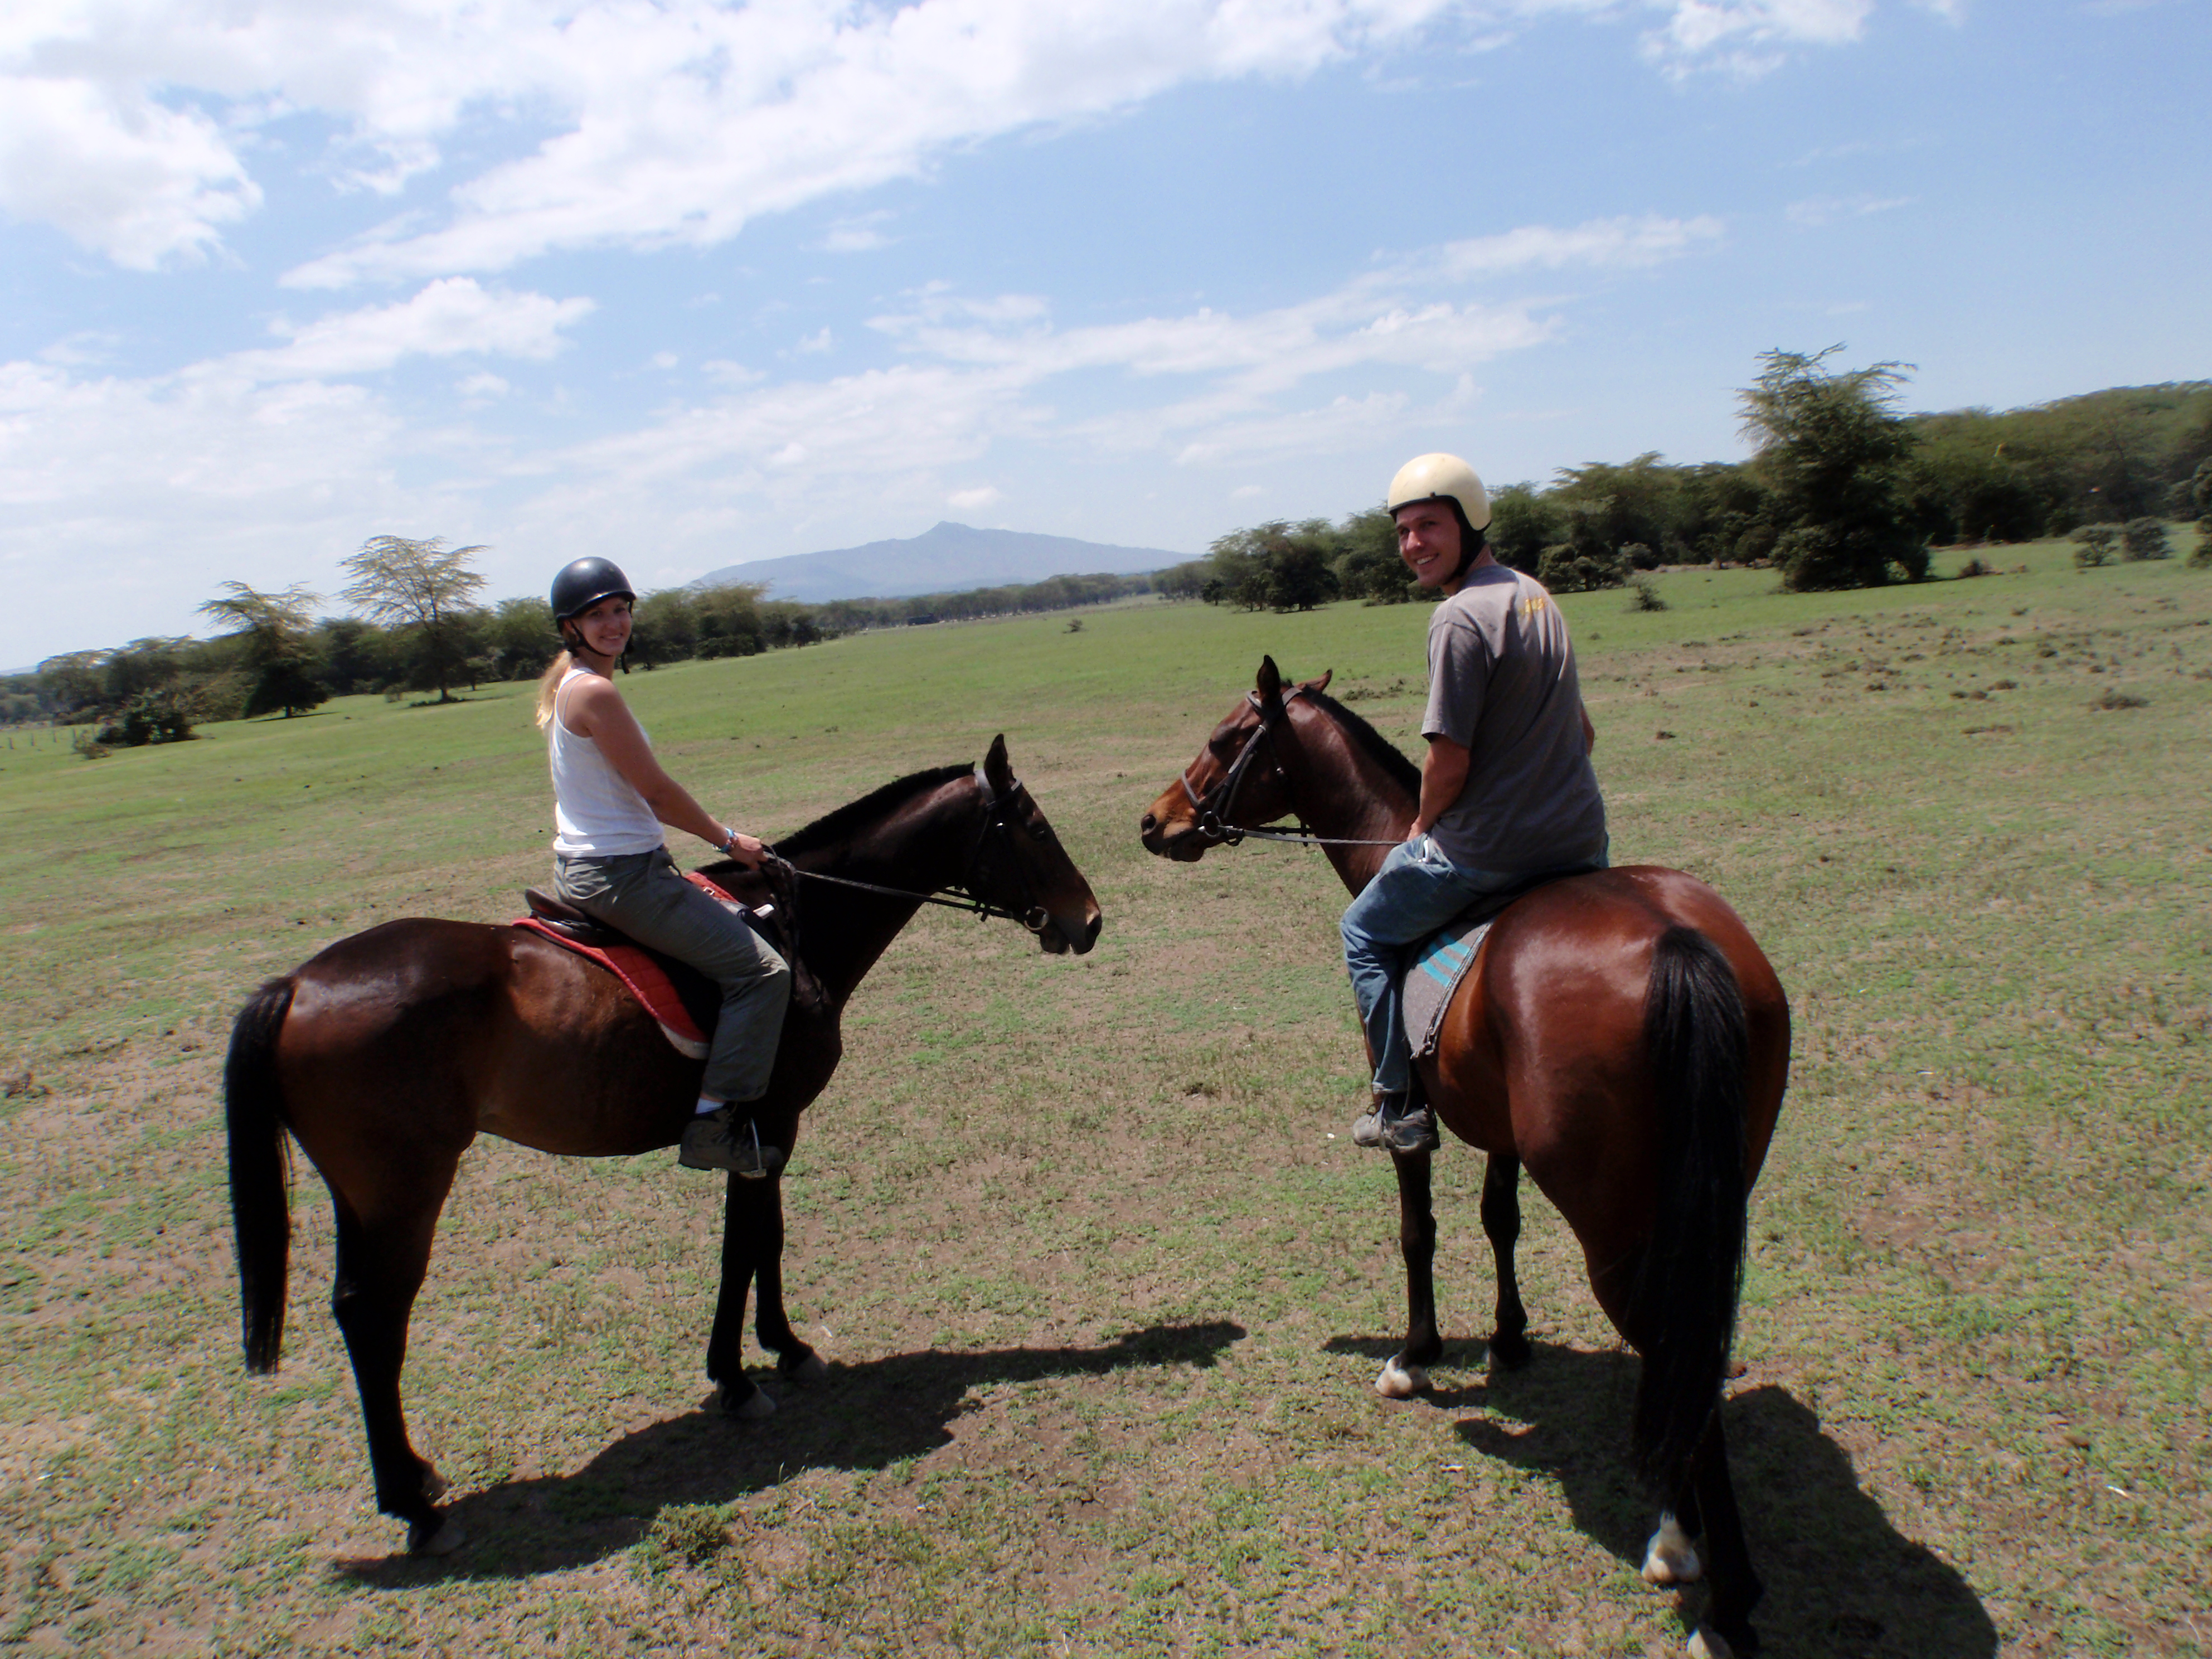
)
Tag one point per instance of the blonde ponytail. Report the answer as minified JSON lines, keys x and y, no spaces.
{"x":549,"y":688}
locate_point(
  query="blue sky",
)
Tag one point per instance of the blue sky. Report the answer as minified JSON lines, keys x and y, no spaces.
{"x":690,"y":283}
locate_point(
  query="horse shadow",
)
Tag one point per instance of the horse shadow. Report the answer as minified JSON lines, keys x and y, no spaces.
{"x":864,"y":1416}
{"x":1841,"y":1582}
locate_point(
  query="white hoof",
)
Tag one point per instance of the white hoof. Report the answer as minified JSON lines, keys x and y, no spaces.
{"x":1706,"y":1643}
{"x":1670,"y":1558}
{"x":1400,"y":1380}
{"x":753,"y":1407}
{"x":812,"y":1369}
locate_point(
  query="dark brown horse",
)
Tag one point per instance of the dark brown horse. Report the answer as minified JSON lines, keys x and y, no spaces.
{"x":387,"y":1054}
{"x":1621,"y":1036}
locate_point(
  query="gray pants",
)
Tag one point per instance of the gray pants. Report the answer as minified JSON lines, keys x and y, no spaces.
{"x":644,"y":896}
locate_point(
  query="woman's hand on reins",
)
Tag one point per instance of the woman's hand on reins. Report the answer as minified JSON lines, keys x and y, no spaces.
{"x":747,"y":851}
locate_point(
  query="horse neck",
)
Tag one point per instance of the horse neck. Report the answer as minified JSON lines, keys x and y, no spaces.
{"x":919,"y":846}
{"x":1344,"y":793}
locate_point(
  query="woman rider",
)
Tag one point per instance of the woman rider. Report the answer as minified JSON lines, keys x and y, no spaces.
{"x":610,"y":799}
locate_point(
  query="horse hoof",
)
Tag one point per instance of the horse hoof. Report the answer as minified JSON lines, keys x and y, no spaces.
{"x":752,"y":1406}
{"x":435,"y":1484}
{"x":1670,"y":1558}
{"x":439,"y":1535}
{"x":812,"y":1369}
{"x":1400,"y":1380}
{"x":1706,"y":1643}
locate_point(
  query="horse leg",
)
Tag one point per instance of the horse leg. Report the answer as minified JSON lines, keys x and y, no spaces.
{"x":1501,"y":1224}
{"x":725,"y":1346}
{"x":1406,"y":1372}
{"x":1726,"y":1629}
{"x":380,"y":1265}
{"x":794,"y":1359}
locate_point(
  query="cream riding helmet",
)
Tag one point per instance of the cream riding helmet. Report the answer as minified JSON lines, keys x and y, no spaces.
{"x":1440,"y":477}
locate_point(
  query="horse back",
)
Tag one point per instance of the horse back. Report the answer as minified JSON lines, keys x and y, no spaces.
{"x":1543,"y":1052}
{"x":422,"y":1033}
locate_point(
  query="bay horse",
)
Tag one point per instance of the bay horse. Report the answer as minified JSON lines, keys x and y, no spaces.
{"x":389,"y":1051}
{"x":1622,"y":1036}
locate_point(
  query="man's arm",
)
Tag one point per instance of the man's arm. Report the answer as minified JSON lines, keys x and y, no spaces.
{"x":1443,"y":774}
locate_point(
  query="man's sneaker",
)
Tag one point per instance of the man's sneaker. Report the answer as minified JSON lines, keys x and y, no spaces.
{"x":713,"y":1140}
{"x":1396,"y":1126}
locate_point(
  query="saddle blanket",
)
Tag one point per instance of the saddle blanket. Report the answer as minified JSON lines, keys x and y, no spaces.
{"x":1438,"y":963}
{"x":662,"y":985}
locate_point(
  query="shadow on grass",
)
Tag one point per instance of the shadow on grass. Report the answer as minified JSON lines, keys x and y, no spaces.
{"x":1841,"y":1582}
{"x":862,"y":1417}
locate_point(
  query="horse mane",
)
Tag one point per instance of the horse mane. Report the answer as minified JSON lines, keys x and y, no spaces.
{"x":1378,"y":748}
{"x":839,"y":824}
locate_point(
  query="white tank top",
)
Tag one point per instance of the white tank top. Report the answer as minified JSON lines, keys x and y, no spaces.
{"x":596,"y":813}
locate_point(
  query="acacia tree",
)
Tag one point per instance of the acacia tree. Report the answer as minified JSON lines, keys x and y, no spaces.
{"x":279,"y":646}
{"x":1831,"y":448}
{"x":423,"y":587}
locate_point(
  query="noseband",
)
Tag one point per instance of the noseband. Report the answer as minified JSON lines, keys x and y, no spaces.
{"x":1214,"y":808}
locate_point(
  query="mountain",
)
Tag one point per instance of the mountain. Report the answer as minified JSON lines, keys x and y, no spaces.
{"x":948,"y":558}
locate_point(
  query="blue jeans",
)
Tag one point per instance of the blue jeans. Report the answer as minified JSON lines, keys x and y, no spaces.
{"x":646,"y":897}
{"x":1417,"y":891}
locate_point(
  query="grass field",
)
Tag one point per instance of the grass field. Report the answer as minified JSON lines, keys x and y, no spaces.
{"x":1102,"y":1283}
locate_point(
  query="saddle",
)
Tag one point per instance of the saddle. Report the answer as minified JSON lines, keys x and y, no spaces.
{"x":683,"y":1001}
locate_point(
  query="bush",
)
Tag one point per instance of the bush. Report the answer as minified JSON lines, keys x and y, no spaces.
{"x":1645,"y":594}
{"x":2093,"y":545}
{"x":151,"y":717}
{"x":1565,"y":568}
{"x":89,"y":747}
{"x":1639,"y":557}
{"x":2201,"y":558}
{"x":2144,"y":539}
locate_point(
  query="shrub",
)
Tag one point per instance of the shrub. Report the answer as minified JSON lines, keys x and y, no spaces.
{"x":89,"y":747}
{"x":1976,"y":568}
{"x":1566,"y":569}
{"x":2201,"y":558}
{"x":2093,"y":545}
{"x":1645,"y":594}
{"x":2144,"y":539}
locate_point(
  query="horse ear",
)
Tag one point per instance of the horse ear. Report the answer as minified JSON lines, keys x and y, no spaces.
{"x":1322,"y":684}
{"x":1270,"y":683}
{"x":997,"y":768}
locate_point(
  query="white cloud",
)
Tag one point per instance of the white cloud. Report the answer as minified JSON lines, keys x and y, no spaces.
{"x":446,"y":318}
{"x":127,"y":125}
{"x":1817,"y":210}
{"x":484,"y":385}
{"x":1619,"y":243}
{"x":973,"y":501}
{"x":117,"y":171}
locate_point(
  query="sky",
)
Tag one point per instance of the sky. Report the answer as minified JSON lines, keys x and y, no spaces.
{"x":689,"y":283}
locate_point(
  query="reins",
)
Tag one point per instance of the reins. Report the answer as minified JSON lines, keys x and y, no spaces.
{"x":1215,"y":806}
{"x":961,"y":894}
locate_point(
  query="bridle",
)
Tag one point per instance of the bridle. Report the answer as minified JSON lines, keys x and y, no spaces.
{"x":1214,"y":809}
{"x":961,"y":895}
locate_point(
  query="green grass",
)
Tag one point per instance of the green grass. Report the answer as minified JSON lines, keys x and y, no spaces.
{"x":1103,"y":1283}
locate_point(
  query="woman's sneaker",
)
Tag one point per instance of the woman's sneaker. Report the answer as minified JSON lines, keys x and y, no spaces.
{"x":715,"y":1141}
{"x":1396,"y":1125}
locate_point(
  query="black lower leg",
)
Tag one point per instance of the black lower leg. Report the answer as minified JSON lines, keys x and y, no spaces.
{"x":1501,"y":1224}
{"x":1417,"y":1244}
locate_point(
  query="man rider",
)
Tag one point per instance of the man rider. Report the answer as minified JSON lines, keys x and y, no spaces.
{"x":1508,"y":793}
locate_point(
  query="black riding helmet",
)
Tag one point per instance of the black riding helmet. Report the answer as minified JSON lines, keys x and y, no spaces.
{"x":583,"y":584}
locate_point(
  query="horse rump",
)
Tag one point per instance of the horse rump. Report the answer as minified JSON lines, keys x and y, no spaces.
{"x":260,"y":1216}
{"x":1691,"y":1276}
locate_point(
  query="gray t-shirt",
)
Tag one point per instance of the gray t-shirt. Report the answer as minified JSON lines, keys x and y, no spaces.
{"x":1502,"y":681}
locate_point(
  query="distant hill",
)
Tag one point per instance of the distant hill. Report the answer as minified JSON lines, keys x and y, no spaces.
{"x":949,"y":558}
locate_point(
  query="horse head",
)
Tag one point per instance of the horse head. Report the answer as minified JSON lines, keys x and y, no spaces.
{"x":1021,"y":867}
{"x":1236,"y":781}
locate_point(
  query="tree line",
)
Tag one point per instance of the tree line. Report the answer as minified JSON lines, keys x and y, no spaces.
{"x":417,"y":628}
{"x":1842,"y":491}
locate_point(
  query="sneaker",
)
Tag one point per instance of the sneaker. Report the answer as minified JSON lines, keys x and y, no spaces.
{"x":1396,"y":1126}
{"x":714,"y":1140}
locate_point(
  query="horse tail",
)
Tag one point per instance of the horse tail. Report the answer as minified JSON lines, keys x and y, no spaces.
{"x":1691,"y":1273}
{"x":260,"y":1211}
